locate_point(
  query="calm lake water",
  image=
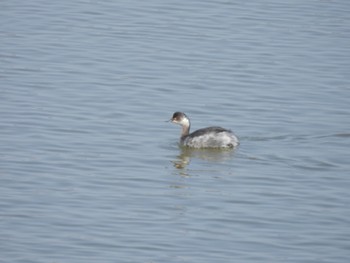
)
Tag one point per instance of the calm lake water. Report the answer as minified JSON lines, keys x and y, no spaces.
{"x":91,"y":172}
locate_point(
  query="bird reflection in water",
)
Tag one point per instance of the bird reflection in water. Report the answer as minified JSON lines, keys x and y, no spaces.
{"x":210,"y":155}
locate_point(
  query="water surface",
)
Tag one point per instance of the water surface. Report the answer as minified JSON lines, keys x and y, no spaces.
{"x":91,"y":172}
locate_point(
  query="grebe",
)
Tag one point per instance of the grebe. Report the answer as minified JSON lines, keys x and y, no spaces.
{"x":211,"y":137}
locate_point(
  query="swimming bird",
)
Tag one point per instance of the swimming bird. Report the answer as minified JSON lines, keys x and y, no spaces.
{"x":211,"y":137}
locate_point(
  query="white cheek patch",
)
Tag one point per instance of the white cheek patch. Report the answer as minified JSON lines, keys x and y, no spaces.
{"x":184,"y":122}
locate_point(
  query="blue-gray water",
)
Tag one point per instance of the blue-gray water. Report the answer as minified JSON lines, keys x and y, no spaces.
{"x":91,"y":172}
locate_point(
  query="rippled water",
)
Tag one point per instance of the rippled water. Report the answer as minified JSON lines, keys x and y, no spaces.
{"x":91,"y":172}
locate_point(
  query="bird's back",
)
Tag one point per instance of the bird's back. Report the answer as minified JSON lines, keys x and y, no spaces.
{"x":211,"y":137}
